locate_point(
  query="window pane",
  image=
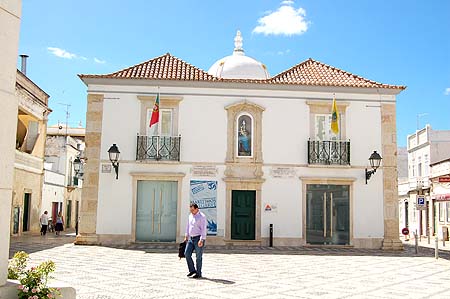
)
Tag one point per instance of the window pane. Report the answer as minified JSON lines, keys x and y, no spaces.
{"x":448,"y":211}
{"x":441,"y":211}
{"x":166,"y":122}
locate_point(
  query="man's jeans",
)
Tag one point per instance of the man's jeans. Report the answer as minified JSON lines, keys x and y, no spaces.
{"x":191,"y":245}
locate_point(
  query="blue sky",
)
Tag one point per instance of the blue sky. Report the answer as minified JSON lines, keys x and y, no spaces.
{"x":397,"y":42}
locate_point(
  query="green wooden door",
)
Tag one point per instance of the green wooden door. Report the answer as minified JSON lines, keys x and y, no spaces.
{"x":243,"y":211}
{"x":156,"y":211}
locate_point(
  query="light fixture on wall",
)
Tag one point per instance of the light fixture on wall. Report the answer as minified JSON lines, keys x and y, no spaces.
{"x":77,"y":165}
{"x":114,"y":155}
{"x":375,"y":162}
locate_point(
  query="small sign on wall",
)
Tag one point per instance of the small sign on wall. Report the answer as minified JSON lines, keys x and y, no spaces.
{"x":283,"y":172}
{"x":204,"y":171}
{"x":270,"y":207}
{"x":106,"y":168}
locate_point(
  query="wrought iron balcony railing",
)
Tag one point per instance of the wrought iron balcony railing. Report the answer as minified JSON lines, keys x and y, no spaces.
{"x":329,"y":152}
{"x":158,"y":148}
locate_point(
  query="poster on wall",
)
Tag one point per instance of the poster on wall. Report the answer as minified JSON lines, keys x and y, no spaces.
{"x":204,"y":194}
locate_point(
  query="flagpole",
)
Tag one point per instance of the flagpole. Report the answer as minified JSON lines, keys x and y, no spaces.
{"x":157,"y":128}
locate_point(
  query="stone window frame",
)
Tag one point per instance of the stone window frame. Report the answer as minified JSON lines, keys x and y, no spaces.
{"x":325,"y":107}
{"x":234,"y":111}
{"x":244,"y":113}
{"x":165,"y":102}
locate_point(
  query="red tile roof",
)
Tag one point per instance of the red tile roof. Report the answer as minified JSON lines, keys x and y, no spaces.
{"x":309,"y":72}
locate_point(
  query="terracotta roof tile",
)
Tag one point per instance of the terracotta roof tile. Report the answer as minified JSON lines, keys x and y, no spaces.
{"x":309,"y":72}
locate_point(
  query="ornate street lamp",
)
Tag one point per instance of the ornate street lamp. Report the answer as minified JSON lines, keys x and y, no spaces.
{"x":77,"y":165}
{"x":114,"y":155}
{"x":375,"y":162}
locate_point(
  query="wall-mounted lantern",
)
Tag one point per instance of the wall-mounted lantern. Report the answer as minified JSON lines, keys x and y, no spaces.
{"x":114,"y":155}
{"x":77,"y":165}
{"x":375,"y":162}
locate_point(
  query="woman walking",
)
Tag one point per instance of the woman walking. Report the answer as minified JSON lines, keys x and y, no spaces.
{"x":59,"y":223}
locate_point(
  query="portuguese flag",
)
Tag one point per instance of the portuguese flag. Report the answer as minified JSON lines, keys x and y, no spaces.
{"x":155,"y":114}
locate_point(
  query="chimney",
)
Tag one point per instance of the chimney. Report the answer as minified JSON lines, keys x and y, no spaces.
{"x":23,"y":67}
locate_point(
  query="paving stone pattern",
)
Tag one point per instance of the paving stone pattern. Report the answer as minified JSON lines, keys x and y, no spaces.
{"x":154,"y":271}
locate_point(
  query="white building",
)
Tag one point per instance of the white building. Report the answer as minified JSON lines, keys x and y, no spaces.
{"x":62,"y":184}
{"x":10,"y":13}
{"x":250,"y":148}
{"x":425,"y":147}
{"x":440,"y":194}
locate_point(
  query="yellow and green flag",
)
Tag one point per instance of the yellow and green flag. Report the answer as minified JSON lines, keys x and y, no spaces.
{"x":334,"y":118}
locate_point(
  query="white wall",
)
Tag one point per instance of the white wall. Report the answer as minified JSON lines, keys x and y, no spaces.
{"x":203,"y":126}
{"x":10,"y":12}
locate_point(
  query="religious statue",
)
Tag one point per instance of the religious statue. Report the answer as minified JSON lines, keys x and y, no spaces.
{"x":244,"y":145}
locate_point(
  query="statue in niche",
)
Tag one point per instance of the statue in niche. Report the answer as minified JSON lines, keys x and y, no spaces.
{"x":244,"y":136}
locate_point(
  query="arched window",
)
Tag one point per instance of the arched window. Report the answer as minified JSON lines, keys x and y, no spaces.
{"x":244,"y":136}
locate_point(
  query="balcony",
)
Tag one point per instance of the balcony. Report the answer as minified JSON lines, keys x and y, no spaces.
{"x":328,"y":152}
{"x":158,"y":148}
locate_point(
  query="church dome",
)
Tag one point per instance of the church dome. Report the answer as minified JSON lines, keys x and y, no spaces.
{"x":238,"y":66}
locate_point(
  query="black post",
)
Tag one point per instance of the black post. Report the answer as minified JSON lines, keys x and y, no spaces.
{"x":271,"y":235}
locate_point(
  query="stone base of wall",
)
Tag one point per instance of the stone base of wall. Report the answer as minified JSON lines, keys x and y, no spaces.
{"x":87,"y":239}
{"x":392,"y":244}
{"x":368,"y":243}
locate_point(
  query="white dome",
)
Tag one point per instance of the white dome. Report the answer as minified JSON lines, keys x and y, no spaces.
{"x":238,"y":66}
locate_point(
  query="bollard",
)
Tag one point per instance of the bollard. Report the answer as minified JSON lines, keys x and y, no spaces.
{"x":271,"y":235}
{"x":416,"y":247}
{"x":436,"y":247}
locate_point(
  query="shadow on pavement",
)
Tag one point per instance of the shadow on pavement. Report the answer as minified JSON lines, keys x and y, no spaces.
{"x":289,"y":250}
{"x":221,"y":281}
{"x":35,"y":243}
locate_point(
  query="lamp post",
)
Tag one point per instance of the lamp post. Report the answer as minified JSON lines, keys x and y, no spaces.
{"x":375,"y":162}
{"x":114,"y":155}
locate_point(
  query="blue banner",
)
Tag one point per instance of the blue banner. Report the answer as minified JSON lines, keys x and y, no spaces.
{"x":204,"y":194}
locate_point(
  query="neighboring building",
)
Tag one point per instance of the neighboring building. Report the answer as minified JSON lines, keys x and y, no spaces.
{"x":403,"y":186}
{"x":10,"y":13}
{"x":425,"y":147}
{"x":62,"y":184}
{"x":29,"y":157}
{"x":251,"y":149}
{"x":440,"y":178}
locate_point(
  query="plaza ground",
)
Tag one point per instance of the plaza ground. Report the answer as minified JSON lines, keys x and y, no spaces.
{"x":154,"y":271}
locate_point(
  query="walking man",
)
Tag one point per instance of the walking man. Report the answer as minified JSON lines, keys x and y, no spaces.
{"x":44,"y":223}
{"x":195,"y":236}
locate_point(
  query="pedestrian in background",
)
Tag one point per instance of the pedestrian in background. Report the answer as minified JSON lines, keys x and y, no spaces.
{"x":44,"y":223}
{"x":59,"y":224}
{"x":195,"y":237}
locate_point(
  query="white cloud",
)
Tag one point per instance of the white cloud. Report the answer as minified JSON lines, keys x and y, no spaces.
{"x":447,"y":91}
{"x":61,"y":53}
{"x":287,"y":51}
{"x":99,"y":60}
{"x":286,"y":20}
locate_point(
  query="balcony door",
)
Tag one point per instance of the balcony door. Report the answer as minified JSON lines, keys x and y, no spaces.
{"x":165,"y":125}
{"x":322,"y":128}
{"x":327,"y":214}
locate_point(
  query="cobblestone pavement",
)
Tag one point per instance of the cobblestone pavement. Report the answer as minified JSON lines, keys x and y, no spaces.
{"x":154,"y":271}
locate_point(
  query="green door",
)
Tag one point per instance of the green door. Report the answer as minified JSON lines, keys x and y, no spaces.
{"x":156,"y":211}
{"x":243,"y":211}
{"x":26,"y":212}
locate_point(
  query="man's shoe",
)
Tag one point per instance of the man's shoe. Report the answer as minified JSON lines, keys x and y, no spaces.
{"x":197,"y":276}
{"x":191,"y":273}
